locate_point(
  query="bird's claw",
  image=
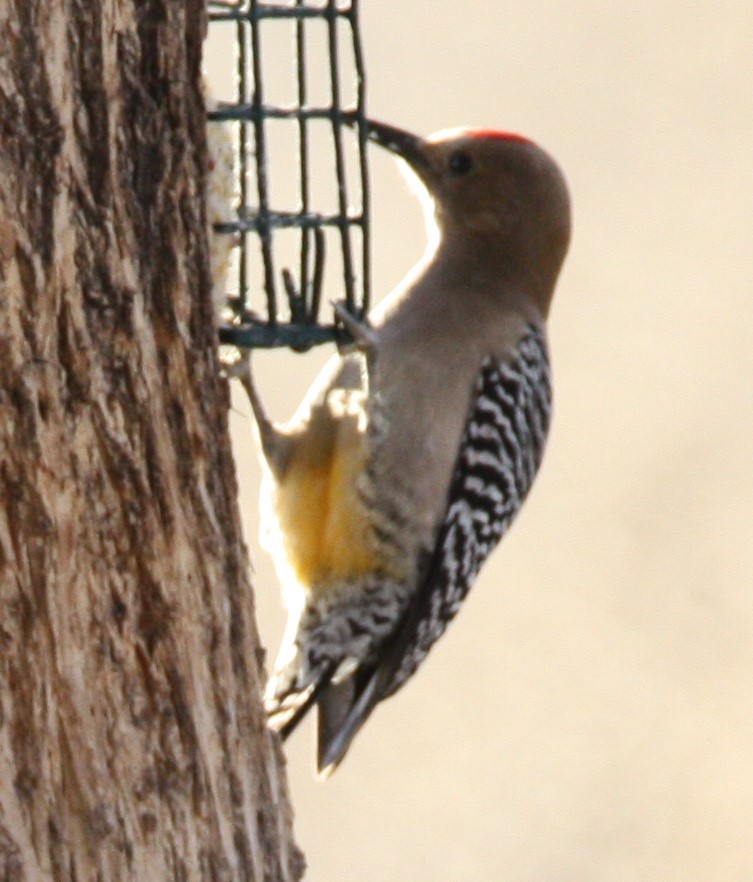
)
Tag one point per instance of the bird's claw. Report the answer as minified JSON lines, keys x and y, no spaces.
{"x":237,"y":367}
{"x":360,"y":330}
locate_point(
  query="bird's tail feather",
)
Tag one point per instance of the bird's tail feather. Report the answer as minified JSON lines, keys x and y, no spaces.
{"x":343,"y":709}
{"x":334,"y":705}
{"x":286,"y":707}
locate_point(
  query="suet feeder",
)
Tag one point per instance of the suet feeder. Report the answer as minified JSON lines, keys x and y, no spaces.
{"x":302,"y":177}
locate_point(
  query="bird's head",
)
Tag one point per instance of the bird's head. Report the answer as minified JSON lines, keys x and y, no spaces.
{"x":490,"y":190}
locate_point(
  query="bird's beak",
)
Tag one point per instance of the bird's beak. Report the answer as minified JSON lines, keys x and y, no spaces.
{"x":406,"y":145}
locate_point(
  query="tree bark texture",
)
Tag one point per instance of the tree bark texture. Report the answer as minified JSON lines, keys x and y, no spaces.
{"x":133,"y":745}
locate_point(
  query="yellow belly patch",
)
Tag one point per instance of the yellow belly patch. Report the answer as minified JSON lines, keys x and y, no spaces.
{"x":323,"y":524}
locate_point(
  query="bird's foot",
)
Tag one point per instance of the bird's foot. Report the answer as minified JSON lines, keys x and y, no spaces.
{"x":364,"y":336}
{"x":236,"y":364}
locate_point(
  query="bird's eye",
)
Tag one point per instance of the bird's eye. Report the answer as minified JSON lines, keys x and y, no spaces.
{"x":460,"y":163}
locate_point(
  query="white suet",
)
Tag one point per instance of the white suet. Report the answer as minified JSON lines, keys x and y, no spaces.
{"x":221,"y":201}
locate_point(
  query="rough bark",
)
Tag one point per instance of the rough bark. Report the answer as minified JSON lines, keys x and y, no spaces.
{"x":132,"y":740}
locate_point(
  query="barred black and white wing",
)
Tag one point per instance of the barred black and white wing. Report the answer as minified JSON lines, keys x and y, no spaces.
{"x":499,"y":456}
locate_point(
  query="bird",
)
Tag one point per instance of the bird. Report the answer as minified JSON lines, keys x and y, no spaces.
{"x":412,"y":453}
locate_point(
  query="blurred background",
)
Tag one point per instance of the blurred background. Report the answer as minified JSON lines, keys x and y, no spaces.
{"x":589,"y":715}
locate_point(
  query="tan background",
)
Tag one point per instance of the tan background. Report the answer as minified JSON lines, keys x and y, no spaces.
{"x":590,"y":714}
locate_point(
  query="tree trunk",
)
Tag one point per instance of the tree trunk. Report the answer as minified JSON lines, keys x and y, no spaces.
{"x":133,"y":744}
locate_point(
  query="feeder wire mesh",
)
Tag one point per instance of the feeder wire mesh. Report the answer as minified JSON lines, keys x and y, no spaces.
{"x":258,"y":219}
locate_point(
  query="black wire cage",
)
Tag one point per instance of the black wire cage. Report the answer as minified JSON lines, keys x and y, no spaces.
{"x":299,"y":145}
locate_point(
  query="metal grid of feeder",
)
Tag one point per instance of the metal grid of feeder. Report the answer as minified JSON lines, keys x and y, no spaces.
{"x":277,"y":291}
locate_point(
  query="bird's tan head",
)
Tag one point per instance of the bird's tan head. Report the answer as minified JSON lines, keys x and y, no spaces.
{"x":495,"y":193}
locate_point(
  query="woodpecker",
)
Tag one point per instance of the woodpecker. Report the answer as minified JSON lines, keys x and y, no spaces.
{"x":409,"y":458}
